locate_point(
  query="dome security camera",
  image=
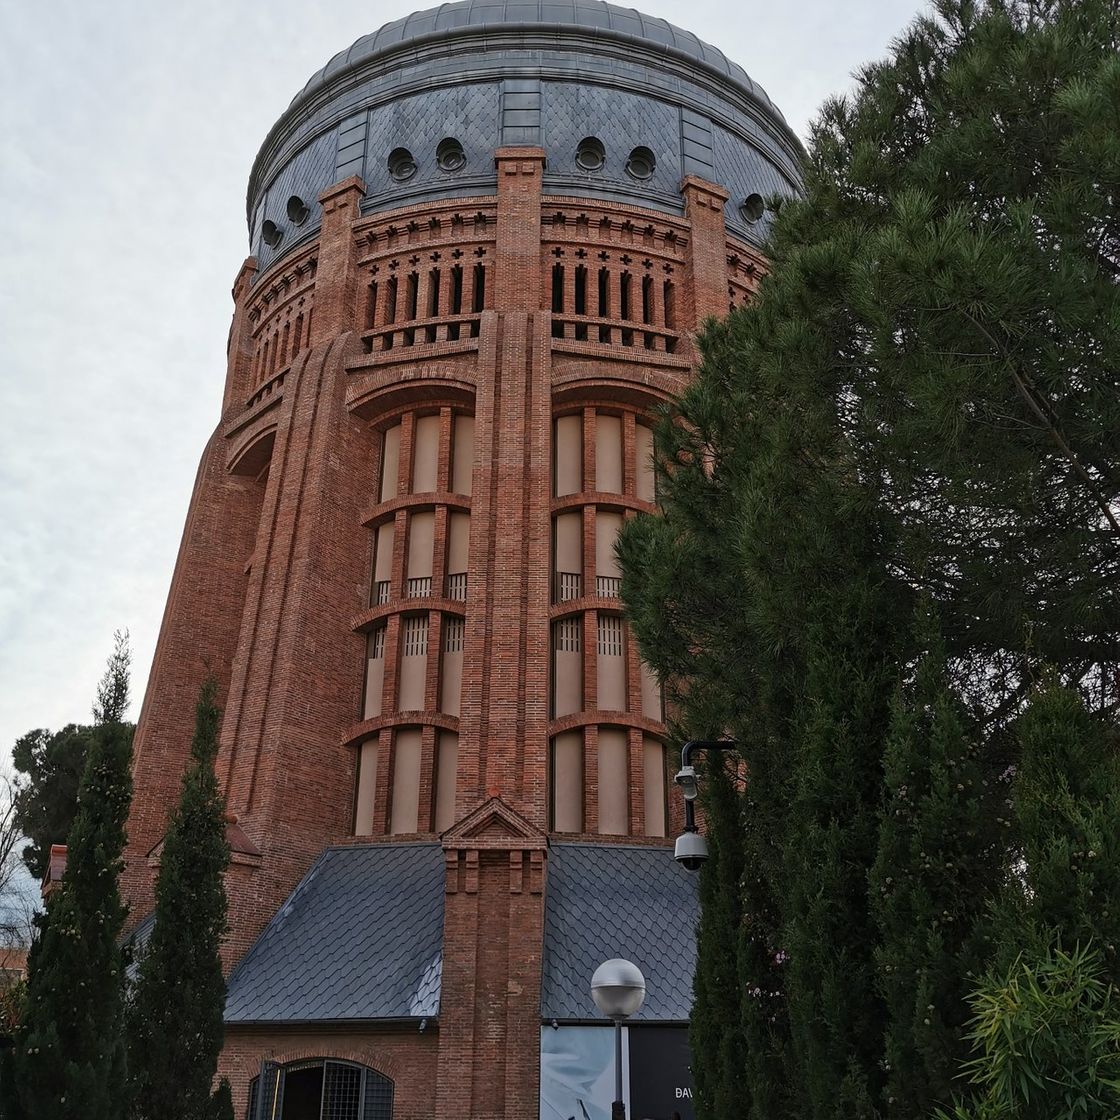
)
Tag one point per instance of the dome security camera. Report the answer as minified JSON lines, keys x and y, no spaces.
{"x":691,"y":850}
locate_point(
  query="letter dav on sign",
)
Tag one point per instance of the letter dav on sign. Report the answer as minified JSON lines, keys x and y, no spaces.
{"x":660,"y":1079}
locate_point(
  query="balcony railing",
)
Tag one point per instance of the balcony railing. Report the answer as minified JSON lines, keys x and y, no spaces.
{"x":457,"y":586}
{"x":608,"y":587}
{"x":380,"y":592}
{"x":419,"y":587}
{"x":566,"y":586}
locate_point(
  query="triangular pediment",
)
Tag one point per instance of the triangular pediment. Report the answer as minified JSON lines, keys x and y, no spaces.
{"x":493,"y":824}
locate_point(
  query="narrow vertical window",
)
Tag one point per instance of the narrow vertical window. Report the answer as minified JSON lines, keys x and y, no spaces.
{"x":656,"y":788}
{"x":643,"y":455}
{"x":567,"y":456}
{"x":581,"y":301}
{"x":451,"y":666}
{"x":390,"y":461}
{"x":567,"y":553}
{"x":458,"y":544}
{"x":456,"y":305}
{"x":375,"y":673}
{"x":382,"y":564}
{"x":407,"y":753}
{"x":432,"y":310}
{"x":421,"y":537}
{"x":414,"y":663}
{"x":567,"y":666}
{"x":447,"y":765}
{"x":425,"y":455}
{"x":366,"y":796}
{"x":608,"y":576}
{"x":604,"y":303}
{"x":614,"y":782}
{"x":608,"y":453}
{"x":610,"y":665}
{"x":371,"y":305}
{"x":462,"y":454}
{"x":479,"y":288}
{"x":566,"y":782}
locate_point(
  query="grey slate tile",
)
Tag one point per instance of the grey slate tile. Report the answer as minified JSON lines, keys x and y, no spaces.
{"x":360,"y":938}
{"x":604,"y":901}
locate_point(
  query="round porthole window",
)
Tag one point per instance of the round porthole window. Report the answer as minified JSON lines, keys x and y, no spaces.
{"x":450,"y":155}
{"x":298,"y":210}
{"x":752,"y":208}
{"x":271,"y":234}
{"x":401,"y":164}
{"x":641,"y":163}
{"x":590,"y":154}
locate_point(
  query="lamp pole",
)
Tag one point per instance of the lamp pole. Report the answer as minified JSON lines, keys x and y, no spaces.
{"x":618,"y":989}
{"x":691,"y":849}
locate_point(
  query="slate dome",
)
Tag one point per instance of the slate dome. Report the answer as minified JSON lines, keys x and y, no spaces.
{"x":656,"y":101}
{"x":597,"y":16}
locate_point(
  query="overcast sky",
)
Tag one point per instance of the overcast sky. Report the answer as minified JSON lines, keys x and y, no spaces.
{"x":127,"y":130}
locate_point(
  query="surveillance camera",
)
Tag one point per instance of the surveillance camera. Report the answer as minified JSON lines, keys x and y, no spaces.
{"x":686,"y":779}
{"x":691,"y":850}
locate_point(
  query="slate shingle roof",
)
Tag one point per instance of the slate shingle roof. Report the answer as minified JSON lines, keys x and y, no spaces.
{"x":608,"y":20}
{"x":359,"y":938}
{"x":604,"y":901}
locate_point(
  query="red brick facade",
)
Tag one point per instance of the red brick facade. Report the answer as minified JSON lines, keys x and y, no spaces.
{"x":494,"y":317}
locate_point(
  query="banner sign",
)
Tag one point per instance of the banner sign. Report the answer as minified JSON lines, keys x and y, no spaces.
{"x":577,"y":1073}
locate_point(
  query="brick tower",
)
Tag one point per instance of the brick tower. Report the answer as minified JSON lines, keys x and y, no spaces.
{"x":483,"y":237}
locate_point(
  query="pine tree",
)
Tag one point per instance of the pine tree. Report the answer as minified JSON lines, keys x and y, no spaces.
{"x":175,"y":1018}
{"x":69,"y":1058}
{"x":940,"y":848}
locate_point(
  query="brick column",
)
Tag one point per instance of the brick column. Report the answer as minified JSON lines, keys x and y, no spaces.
{"x":239,"y":353}
{"x":517,"y":280}
{"x":336,"y":281}
{"x":707,"y":261}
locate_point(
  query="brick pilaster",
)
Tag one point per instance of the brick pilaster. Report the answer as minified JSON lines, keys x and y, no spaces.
{"x":517,"y":280}
{"x":239,"y":355}
{"x":707,"y":260}
{"x":337,"y":277}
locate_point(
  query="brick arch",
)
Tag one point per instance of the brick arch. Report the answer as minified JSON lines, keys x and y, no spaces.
{"x":360,"y":1055}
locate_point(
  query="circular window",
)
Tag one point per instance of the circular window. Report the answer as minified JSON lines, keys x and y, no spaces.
{"x":450,"y":155}
{"x":641,"y":163}
{"x":271,"y":234}
{"x":401,"y":164}
{"x":590,"y":154}
{"x":752,"y":208}
{"x":298,"y":210}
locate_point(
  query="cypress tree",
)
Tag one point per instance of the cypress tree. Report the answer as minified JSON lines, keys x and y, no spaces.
{"x":715,"y":1028}
{"x":69,"y":1058}
{"x":175,"y":1017}
{"x":1064,"y":817}
{"x":940,"y":848}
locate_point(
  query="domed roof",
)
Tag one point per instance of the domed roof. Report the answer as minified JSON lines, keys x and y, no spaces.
{"x":583,"y":17}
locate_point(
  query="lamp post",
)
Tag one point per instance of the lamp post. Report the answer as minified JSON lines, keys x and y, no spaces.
{"x":691,"y":850}
{"x":618,"y":989}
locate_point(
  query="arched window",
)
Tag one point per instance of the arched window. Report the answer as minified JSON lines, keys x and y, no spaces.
{"x":322,"y":1088}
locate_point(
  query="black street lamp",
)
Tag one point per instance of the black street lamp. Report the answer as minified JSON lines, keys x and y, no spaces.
{"x":691,"y":849}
